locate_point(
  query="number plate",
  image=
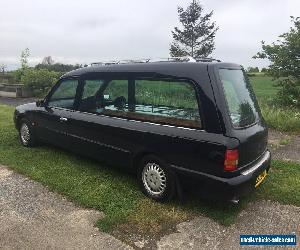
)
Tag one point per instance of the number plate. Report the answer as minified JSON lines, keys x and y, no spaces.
{"x":260,"y":178}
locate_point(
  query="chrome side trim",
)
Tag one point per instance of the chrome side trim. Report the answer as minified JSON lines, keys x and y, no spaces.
{"x":258,"y":164}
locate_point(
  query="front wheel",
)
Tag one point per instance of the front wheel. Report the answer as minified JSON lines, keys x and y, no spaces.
{"x":156,"y":180}
{"x":26,"y":134}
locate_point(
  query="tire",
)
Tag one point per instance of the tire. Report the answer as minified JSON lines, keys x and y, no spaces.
{"x":156,"y":180}
{"x":26,"y":134}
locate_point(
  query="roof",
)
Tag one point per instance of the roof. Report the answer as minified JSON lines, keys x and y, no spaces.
{"x":183,"y":69}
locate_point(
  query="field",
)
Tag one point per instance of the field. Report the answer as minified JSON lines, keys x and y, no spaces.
{"x":284,"y":119}
{"x":126,"y":210}
{"x":264,"y":87}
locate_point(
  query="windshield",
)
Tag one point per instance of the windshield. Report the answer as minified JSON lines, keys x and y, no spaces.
{"x":240,"y":98}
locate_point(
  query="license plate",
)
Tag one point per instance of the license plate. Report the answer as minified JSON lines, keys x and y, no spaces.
{"x":260,"y":178}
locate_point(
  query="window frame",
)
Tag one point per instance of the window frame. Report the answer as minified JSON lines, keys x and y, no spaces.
{"x":132,"y":77}
{"x":56,"y":86}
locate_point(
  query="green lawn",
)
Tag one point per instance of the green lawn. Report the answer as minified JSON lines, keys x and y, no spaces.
{"x":264,"y":87}
{"x":94,"y":185}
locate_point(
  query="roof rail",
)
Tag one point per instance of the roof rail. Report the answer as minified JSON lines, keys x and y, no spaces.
{"x":206,"y":59}
{"x":147,"y":60}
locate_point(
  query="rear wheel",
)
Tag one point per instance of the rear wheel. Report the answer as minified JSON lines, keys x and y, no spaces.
{"x":156,"y":180}
{"x":26,"y":134}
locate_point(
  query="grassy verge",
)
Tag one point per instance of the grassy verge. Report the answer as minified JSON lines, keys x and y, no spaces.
{"x":127,"y":211}
{"x":287,"y":120}
{"x":284,"y":119}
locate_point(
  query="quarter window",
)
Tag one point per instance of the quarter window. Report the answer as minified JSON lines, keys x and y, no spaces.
{"x":64,"y":94}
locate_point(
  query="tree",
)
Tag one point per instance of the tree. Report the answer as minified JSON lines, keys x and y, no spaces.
{"x":2,"y":68}
{"x":253,"y":69}
{"x":196,"y":39}
{"x":57,"y":67}
{"x":284,"y":56}
{"x":24,"y":65}
{"x":47,"y":60}
{"x":24,"y":58}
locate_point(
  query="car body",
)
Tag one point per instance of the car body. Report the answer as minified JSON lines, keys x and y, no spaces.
{"x":171,"y":122}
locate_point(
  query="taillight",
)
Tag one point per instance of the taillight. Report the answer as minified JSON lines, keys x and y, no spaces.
{"x":231,"y":159}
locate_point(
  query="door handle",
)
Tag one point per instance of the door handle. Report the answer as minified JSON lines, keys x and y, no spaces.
{"x":63,"y":119}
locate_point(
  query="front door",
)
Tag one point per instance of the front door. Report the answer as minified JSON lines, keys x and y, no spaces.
{"x":53,"y":120}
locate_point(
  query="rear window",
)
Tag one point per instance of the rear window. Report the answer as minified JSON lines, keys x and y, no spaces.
{"x":240,"y":98}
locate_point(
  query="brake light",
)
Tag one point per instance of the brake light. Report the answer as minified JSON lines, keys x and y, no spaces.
{"x":231,"y":159}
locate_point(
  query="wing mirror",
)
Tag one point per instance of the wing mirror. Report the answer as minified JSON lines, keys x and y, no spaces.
{"x":40,"y":103}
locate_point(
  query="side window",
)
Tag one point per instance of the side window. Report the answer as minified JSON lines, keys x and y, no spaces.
{"x":64,"y":95}
{"x":168,"y":102}
{"x":104,"y":96}
{"x":160,"y":101}
{"x":91,"y":96}
{"x":91,"y":87}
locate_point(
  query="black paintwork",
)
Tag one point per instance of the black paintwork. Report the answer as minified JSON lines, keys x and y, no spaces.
{"x":193,"y":153}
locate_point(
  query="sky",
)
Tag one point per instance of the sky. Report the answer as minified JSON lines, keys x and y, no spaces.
{"x":94,"y":30}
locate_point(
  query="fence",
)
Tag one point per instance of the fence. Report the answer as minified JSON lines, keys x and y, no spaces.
{"x":14,"y":90}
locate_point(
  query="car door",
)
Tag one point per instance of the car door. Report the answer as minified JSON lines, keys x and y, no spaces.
{"x":93,"y":133}
{"x":53,"y":119}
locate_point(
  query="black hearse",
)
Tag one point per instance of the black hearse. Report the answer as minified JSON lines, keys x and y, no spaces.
{"x":170,"y":122}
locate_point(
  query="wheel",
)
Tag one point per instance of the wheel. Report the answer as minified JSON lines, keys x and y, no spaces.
{"x":156,"y":180}
{"x":26,"y":134}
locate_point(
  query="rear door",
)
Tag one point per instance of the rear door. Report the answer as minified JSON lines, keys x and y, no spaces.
{"x":242,"y":114}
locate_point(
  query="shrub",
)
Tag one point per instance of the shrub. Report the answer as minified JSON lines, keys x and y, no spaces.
{"x":285,"y":64}
{"x":282,"y":119}
{"x":39,"y":80}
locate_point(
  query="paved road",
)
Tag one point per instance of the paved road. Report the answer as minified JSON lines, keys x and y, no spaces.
{"x":32,"y":217}
{"x":15,"y":101}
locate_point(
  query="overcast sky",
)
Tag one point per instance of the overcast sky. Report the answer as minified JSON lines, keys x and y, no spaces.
{"x":92,"y":30}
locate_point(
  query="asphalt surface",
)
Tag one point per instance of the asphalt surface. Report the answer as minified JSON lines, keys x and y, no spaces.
{"x":263,"y":217}
{"x":32,"y":217}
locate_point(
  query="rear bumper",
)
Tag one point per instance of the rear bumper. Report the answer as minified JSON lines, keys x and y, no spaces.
{"x":231,"y":188}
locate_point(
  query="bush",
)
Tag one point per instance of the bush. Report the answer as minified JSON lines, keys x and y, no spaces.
{"x":285,"y":64}
{"x":253,"y":70}
{"x":282,"y":119}
{"x":39,"y":80}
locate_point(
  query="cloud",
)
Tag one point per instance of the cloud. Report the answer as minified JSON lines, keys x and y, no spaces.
{"x":93,"y":30}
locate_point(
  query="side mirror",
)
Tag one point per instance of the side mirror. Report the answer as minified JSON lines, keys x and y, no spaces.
{"x":40,"y":103}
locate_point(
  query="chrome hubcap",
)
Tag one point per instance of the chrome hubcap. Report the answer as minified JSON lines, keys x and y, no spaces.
{"x":154,"y":179}
{"x":25,"y":135}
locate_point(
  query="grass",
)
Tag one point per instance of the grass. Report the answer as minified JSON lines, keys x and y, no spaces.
{"x":94,"y":185}
{"x":284,"y":142}
{"x":263,"y":87}
{"x":284,"y":119}
{"x":282,"y":184}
